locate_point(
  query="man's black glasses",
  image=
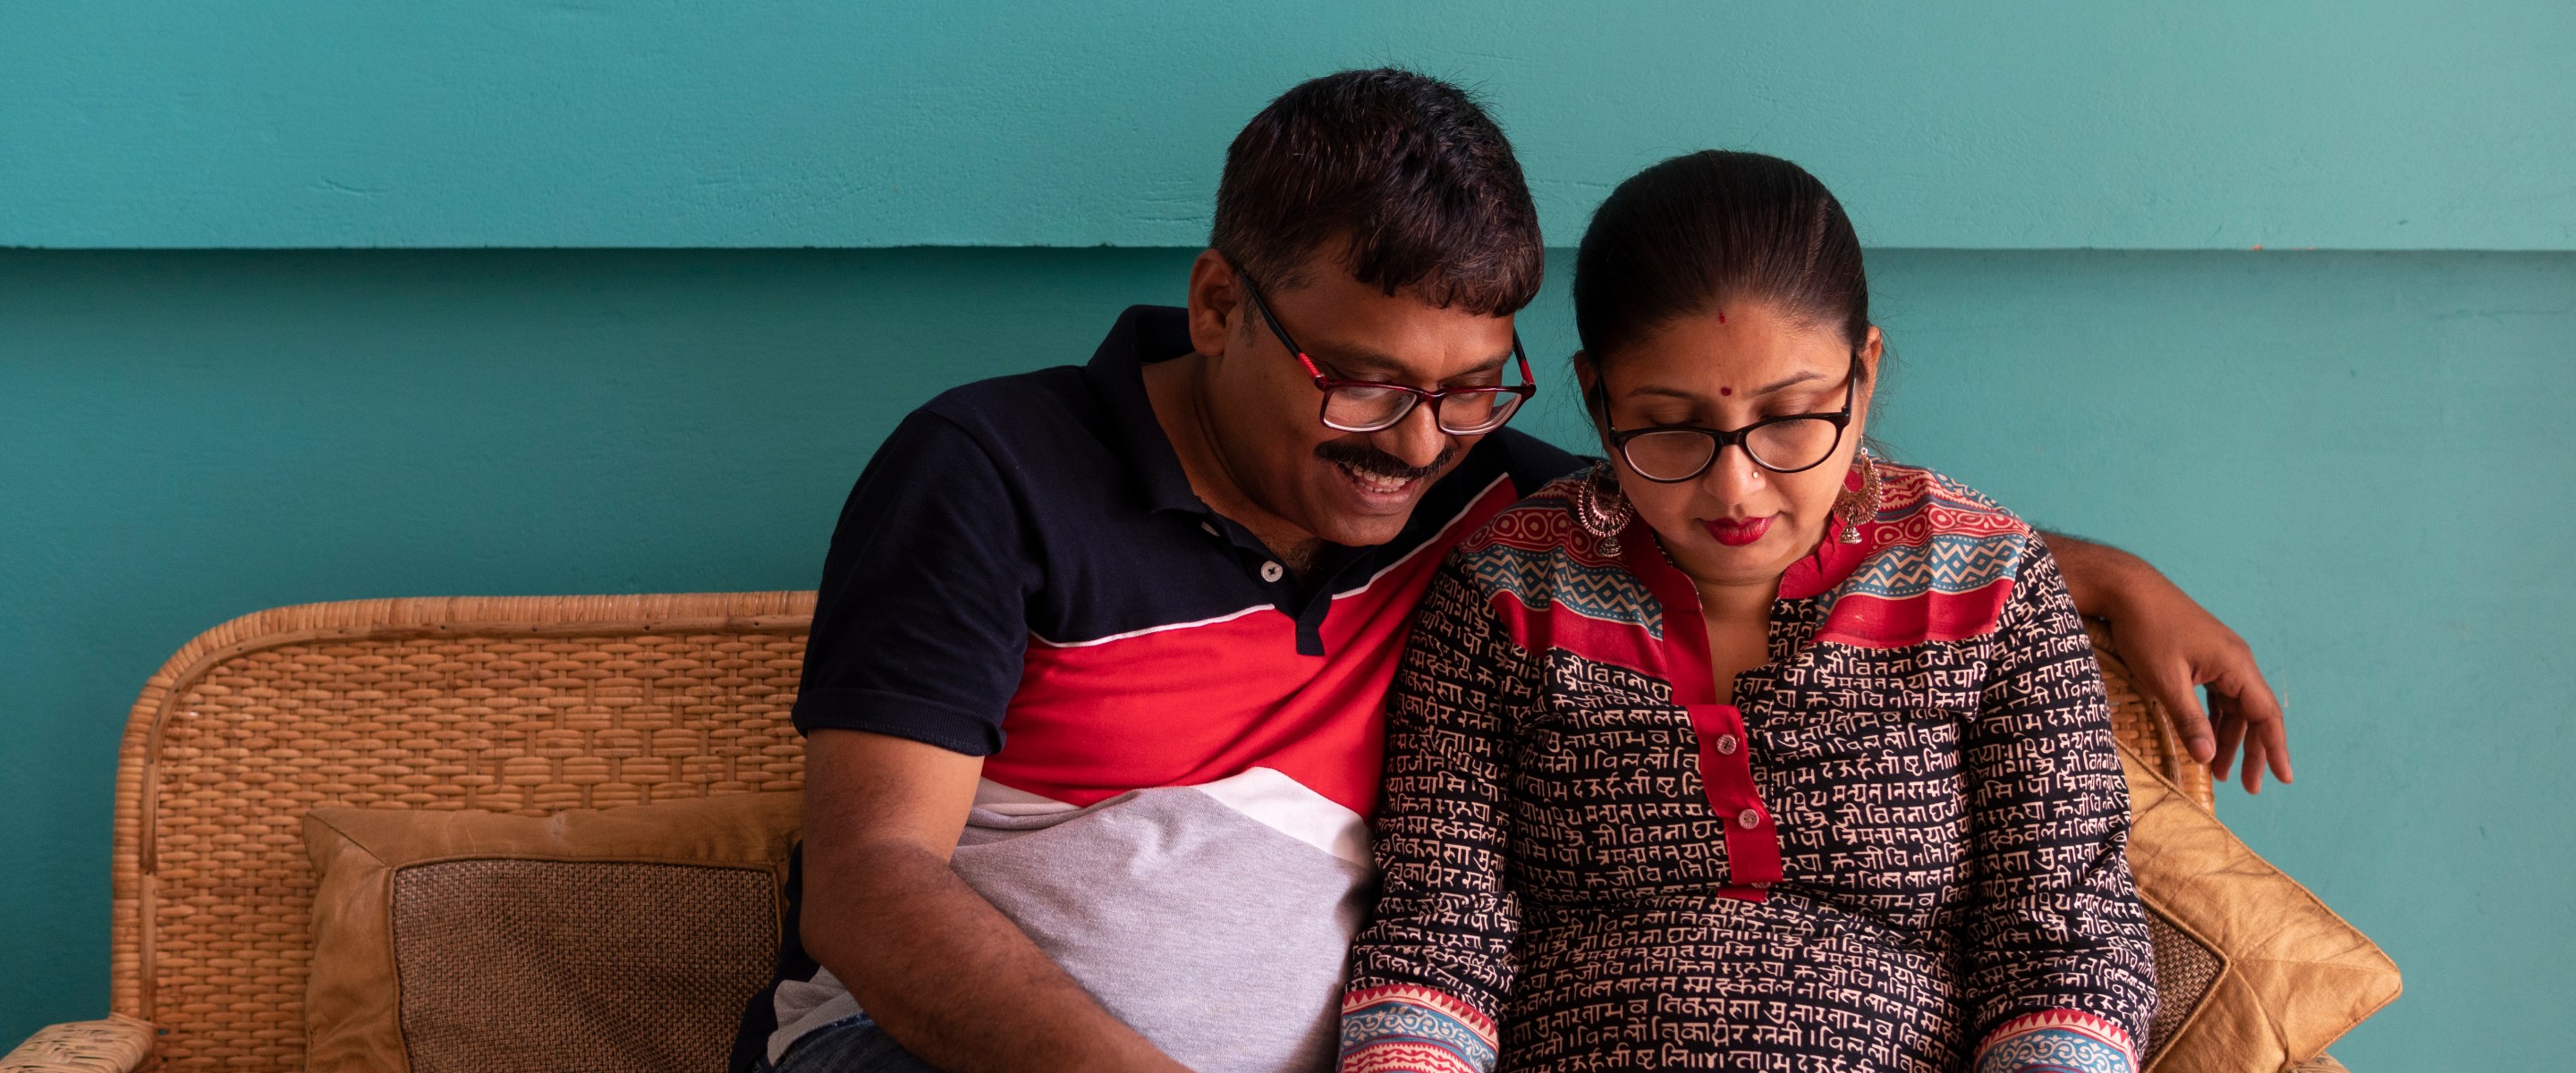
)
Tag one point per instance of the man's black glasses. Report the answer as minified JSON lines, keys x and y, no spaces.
{"x":1374,"y":406}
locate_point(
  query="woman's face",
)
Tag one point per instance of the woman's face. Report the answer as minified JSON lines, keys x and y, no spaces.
{"x":1737,"y":523}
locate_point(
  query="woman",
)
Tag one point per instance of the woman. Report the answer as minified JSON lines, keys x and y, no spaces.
{"x":1747,"y":751}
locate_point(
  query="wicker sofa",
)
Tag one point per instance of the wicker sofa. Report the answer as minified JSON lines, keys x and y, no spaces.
{"x":515,"y":705}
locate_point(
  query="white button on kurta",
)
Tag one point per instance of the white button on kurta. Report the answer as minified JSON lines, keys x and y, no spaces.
{"x":1271,"y":571}
{"x":1749,"y":818}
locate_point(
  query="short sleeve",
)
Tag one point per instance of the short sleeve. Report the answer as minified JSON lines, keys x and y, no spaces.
{"x":922,"y":618}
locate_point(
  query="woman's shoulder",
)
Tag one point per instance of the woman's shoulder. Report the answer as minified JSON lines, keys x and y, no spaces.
{"x":1541,"y":522}
{"x":1937,"y":562}
{"x":1918,"y":504}
{"x":1538,"y":552}
{"x":1546,"y":526}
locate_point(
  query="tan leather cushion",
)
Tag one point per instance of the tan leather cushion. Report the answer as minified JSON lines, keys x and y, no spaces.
{"x":619,"y":940}
{"x":2256,"y":974}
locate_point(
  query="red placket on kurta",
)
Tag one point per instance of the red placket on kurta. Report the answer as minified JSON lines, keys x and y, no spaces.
{"x":1725,"y":749}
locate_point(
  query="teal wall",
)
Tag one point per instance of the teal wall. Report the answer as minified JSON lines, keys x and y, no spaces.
{"x":2380,"y":124}
{"x":2358,"y":459}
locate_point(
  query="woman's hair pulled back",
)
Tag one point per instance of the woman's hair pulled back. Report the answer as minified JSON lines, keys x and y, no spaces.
{"x":1709,"y":229}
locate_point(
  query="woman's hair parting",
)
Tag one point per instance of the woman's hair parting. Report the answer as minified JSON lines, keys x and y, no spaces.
{"x":1711,"y":229}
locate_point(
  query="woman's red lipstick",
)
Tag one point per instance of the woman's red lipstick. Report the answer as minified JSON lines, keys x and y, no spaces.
{"x":1736,"y":534}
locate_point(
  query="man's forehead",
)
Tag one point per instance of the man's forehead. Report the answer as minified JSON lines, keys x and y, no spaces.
{"x":1383,"y":334}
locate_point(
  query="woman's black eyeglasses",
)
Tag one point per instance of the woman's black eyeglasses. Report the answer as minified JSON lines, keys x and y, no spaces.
{"x":1374,"y":406}
{"x":1791,"y":443}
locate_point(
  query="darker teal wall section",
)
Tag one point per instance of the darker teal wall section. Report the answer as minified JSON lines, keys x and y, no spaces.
{"x":2359,"y":459}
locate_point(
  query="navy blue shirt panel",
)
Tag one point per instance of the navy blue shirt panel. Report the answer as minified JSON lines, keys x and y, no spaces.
{"x":1051,"y":503}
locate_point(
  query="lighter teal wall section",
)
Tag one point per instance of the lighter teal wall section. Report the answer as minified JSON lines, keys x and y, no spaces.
{"x":2384,"y":124}
{"x":2360,"y":460}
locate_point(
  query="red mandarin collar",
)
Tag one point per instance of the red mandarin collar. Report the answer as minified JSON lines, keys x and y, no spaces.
{"x":1813,"y":574}
{"x":1833,"y":561}
{"x":1818,"y":571}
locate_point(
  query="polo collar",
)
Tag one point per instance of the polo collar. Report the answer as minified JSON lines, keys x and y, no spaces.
{"x":1146,"y":334}
{"x":1143,"y":335}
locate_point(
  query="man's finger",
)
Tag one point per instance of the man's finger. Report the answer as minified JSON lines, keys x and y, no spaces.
{"x":2231,"y":733}
{"x":2180,"y":699}
{"x":2258,"y":718}
{"x":2276,"y":744}
{"x":2242,"y":684}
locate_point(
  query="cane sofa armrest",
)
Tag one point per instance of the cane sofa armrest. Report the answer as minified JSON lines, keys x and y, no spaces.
{"x":118,"y":1044}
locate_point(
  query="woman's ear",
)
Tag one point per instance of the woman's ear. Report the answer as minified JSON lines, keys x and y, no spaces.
{"x":1587,"y":378}
{"x":1865,"y":394}
{"x":1596,"y":406}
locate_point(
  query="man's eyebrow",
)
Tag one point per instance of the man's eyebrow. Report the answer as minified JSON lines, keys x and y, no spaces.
{"x":1377,"y":365}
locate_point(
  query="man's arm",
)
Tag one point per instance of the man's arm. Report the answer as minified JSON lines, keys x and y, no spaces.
{"x":2174,"y":647}
{"x":934,"y":964}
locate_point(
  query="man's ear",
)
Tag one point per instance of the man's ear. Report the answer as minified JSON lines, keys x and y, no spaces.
{"x":1216,"y":303}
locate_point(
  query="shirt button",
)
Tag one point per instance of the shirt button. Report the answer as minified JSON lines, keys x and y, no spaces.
{"x":1749,"y":818}
{"x":1211,"y":529}
{"x":1271,"y":571}
{"x":1726,"y":745}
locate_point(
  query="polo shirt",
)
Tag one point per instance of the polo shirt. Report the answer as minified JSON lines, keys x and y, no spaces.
{"x":1181,"y":739}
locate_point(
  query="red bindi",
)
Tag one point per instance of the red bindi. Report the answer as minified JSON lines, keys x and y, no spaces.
{"x":1726,"y":391}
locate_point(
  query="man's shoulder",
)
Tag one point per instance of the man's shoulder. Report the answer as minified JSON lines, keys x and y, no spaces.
{"x":1464,"y":499}
{"x":1530,"y":461}
{"x":1017,"y":404}
{"x":1037,"y":425}
{"x":1033,"y":429}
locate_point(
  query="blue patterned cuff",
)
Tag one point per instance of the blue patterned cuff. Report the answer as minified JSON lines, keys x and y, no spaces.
{"x":2057,"y":1041}
{"x":1407,"y":1029}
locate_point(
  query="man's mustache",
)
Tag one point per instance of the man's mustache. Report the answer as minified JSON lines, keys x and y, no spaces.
{"x":1369,"y":461}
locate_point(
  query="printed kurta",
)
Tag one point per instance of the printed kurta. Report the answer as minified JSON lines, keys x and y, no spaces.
{"x":1900,"y":847}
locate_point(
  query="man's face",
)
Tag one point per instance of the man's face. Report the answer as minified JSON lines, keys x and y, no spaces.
{"x":1264,"y":413}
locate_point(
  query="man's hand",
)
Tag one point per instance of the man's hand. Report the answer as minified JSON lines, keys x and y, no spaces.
{"x":2174,"y":646}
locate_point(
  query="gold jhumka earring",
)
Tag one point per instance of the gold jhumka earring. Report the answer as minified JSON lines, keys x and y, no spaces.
{"x":1857,"y":505}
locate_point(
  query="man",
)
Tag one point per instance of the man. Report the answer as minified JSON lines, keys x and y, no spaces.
{"x":1092,"y":702}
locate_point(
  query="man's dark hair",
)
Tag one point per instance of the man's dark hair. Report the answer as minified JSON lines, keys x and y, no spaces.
{"x":1405,"y":167}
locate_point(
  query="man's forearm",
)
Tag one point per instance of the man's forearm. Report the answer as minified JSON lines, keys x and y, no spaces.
{"x":2098,"y":576}
{"x":2173,"y":646}
{"x":952,"y":979}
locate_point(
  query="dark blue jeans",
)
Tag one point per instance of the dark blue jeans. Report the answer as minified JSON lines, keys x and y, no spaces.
{"x":856,"y":1045}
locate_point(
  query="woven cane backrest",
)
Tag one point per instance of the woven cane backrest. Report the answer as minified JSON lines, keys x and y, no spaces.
{"x":523,"y":705}
{"x":529,"y":705}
